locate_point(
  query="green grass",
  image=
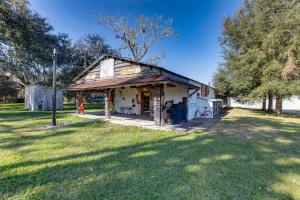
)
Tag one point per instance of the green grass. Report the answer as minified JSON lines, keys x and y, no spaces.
{"x":245,"y":155}
{"x":69,"y":107}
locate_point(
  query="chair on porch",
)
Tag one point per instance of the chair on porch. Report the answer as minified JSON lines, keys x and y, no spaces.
{"x":126,"y":110}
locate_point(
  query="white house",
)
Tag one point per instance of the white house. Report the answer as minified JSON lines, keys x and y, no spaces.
{"x":136,"y":88}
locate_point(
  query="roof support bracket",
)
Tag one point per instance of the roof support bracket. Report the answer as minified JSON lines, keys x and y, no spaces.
{"x":196,"y":90}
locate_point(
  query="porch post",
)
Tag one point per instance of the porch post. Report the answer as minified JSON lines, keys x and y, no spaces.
{"x":79,"y":99}
{"x":157,"y":104}
{"x":187,"y":103}
{"x":106,"y":110}
{"x":76,"y":101}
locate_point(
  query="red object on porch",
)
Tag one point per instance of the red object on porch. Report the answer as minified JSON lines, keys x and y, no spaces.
{"x":81,"y":108}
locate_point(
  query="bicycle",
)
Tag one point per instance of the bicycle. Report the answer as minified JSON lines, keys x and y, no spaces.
{"x":205,"y":114}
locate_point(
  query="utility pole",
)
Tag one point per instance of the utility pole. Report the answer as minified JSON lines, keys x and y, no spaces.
{"x":54,"y":89}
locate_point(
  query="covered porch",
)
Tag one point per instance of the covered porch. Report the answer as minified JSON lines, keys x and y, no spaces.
{"x":138,"y":98}
{"x":146,"y":122}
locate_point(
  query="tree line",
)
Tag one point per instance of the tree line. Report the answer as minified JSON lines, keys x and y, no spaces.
{"x":261,"y":51}
{"x":27,"y":41}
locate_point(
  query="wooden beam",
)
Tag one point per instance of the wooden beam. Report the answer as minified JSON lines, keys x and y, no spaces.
{"x":193,"y":93}
{"x":79,"y":100}
{"x":106,"y":110}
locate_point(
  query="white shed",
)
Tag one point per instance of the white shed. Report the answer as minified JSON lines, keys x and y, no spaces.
{"x":38,"y":97}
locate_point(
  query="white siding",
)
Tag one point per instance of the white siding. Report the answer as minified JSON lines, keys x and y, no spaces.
{"x":198,"y":103}
{"x":107,"y":68}
{"x":211,"y":94}
{"x":253,"y":105}
{"x":40,"y":98}
{"x":194,"y":102}
{"x":292,"y":103}
{"x":124,"y":97}
{"x":175,"y":93}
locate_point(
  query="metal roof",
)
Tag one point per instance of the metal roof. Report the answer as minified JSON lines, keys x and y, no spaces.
{"x":91,"y":66}
{"x":106,"y":83}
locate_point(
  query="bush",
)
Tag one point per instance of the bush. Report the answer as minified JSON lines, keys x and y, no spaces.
{"x":14,"y":100}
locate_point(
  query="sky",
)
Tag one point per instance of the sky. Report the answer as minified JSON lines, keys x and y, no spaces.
{"x":195,"y":53}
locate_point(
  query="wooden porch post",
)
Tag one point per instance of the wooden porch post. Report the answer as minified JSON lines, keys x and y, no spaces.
{"x":106,"y":110}
{"x":79,"y":99}
{"x":157,"y":104}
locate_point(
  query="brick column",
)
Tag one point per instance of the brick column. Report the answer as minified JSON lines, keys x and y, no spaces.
{"x":157,"y":104}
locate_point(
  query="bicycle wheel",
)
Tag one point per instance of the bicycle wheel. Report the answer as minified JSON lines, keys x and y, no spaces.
{"x":197,"y":114}
{"x":208,"y":114}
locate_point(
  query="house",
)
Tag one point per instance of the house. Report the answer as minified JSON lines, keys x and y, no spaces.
{"x":136,"y":88}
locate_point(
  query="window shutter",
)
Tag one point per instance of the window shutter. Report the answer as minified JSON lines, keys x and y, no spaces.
{"x":204,"y":90}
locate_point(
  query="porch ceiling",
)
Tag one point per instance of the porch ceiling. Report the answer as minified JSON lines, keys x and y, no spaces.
{"x":106,"y":83}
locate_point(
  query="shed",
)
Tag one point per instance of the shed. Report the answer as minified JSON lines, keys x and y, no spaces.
{"x":39,"y":97}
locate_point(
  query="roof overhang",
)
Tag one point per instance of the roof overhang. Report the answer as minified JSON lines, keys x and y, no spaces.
{"x":192,"y":83}
{"x":111,"y":83}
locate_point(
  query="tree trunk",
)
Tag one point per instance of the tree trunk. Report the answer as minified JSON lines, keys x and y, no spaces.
{"x":264,"y":105}
{"x":278,"y":108}
{"x":270,"y":103}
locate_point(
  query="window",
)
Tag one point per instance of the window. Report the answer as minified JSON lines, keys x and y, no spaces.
{"x":204,"y":90}
{"x":107,"y":68}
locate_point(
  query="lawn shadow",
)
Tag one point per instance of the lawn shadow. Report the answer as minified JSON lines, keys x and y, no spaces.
{"x":205,"y":165}
{"x":287,"y":113}
{"x":23,"y":139}
{"x":21,"y":115}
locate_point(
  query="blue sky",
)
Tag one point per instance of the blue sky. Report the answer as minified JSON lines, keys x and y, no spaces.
{"x":196,"y":53}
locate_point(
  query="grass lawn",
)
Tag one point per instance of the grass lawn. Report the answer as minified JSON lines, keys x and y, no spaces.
{"x":245,"y":155}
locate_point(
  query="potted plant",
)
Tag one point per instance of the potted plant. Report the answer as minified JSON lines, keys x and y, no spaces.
{"x":111,"y":109}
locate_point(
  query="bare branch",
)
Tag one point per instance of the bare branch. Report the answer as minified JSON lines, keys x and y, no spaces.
{"x":138,"y":38}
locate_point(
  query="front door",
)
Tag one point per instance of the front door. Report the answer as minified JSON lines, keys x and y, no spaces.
{"x":145,"y":103}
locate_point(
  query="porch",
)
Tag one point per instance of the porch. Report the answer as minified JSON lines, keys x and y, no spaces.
{"x":147,"y":122}
{"x":144,"y":97}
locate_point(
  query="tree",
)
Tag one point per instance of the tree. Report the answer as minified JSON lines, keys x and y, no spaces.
{"x":281,"y":68}
{"x":9,"y":87}
{"x":222,"y":81}
{"x":27,"y":42}
{"x":139,"y":37}
{"x":81,"y":54}
{"x":260,"y":51}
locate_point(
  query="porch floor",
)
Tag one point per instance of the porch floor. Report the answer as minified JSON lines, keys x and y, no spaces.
{"x":146,"y":122}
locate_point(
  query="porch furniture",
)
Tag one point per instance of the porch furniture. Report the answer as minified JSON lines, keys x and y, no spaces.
{"x":126,"y":110}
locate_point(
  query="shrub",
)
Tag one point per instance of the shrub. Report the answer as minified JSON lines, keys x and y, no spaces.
{"x":14,"y":100}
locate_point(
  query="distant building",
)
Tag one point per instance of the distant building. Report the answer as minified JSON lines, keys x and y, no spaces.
{"x":288,"y":104}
